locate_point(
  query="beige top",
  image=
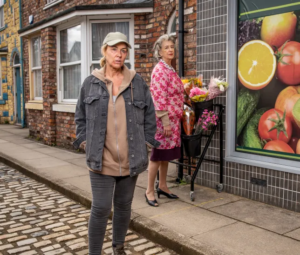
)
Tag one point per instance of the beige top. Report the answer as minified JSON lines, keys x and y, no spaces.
{"x":115,"y":161}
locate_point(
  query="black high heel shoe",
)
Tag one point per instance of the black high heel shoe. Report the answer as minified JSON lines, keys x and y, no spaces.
{"x":161,"y":192}
{"x":151,"y":202}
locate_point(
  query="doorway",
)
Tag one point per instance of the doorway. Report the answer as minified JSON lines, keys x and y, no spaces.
{"x":17,"y":90}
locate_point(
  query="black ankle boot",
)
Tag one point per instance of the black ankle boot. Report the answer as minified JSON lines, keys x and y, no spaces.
{"x":119,"y":250}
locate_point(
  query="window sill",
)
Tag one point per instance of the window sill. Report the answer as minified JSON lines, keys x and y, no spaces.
{"x":3,"y":28}
{"x":64,"y":108}
{"x":34,"y":105}
{"x":47,"y":6}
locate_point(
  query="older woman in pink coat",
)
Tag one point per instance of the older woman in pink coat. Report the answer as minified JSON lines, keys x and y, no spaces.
{"x":167,"y":93}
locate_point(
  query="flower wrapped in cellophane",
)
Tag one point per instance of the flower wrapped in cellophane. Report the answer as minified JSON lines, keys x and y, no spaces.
{"x":198,"y":95}
{"x":216,"y":87}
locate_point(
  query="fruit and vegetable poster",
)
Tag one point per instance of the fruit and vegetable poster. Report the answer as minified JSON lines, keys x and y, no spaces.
{"x":268,"y":82}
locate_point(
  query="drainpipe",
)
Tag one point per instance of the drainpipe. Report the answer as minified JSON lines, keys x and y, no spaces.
{"x":181,"y":37}
{"x":22,"y":67}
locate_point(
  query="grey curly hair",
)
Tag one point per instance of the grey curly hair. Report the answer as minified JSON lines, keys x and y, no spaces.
{"x":158,"y":44}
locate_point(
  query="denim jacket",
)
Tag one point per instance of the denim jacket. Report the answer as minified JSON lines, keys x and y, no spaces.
{"x":91,"y":122}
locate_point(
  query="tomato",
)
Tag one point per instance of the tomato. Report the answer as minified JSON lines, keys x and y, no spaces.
{"x":277,"y":29}
{"x":293,"y":143}
{"x":288,"y":68}
{"x":286,"y":101}
{"x":278,"y":146}
{"x":275,"y":125}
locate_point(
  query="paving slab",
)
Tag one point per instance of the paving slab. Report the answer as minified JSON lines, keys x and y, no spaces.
{"x":27,"y":155}
{"x":204,"y":197}
{"x":78,"y":162}
{"x":185,"y":218}
{"x":63,"y":172}
{"x":294,"y":234}
{"x":244,"y":239}
{"x":45,"y":162}
{"x":81,"y":182}
{"x":68,"y":155}
{"x":49,"y":150}
{"x":33,"y":145}
{"x":262,"y":215}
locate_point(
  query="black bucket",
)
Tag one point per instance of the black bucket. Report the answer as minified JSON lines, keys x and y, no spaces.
{"x":191,"y":144}
{"x":199,"y":107}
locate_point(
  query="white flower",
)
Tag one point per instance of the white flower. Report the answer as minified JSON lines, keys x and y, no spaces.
{"x":222,"y":88}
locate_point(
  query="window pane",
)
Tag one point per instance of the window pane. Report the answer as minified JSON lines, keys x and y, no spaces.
{"x":37,"y":81}
{"x":173,"y":27}
{"x":70,"y":44}
{"x":16,"y":60}
{"x":72,"y":81}
{"x":2,"y":16}
{"x":36,"y":52}
{"x":100,"y":30}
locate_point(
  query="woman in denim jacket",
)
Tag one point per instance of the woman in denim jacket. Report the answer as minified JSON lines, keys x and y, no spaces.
{"x":115,"y":122}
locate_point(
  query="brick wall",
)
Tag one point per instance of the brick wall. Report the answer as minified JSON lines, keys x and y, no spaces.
{"x":35,"y":7}
{"x":65,"y":129}
{"x":148,"y":28}
{"x":35,"y":123}
{"x":49,"y":83}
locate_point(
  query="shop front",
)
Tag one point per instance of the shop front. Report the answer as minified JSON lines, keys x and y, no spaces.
{"x":256,"y":45}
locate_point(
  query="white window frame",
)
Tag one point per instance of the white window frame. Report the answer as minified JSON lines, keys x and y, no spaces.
{"x":82,"y":23}
{"x":111,"y":20}
{"x":171,"y":20}
{"x":2,"y":17}
{"x":280,"y":164}
{"x":86,"y":48}
{"x":32,"y":69}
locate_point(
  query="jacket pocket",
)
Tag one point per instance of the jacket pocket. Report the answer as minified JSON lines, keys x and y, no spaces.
{"x":91,"y":106}
{"x":139,"y":111}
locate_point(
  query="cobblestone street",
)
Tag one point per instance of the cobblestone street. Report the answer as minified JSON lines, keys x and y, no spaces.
{"x":35,"y":219}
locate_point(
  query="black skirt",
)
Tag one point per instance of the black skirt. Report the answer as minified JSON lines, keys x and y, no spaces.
{"x":165,"y":154}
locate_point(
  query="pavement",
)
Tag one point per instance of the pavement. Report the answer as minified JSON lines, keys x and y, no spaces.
{"x":214,"y":224}
{"x":35,"y":219}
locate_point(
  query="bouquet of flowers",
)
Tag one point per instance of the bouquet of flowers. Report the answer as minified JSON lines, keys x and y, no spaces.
{"x":198,"y":95}
{"x":207,"y":120}
{"x":189,"y":84}
{"x":216,"y":87}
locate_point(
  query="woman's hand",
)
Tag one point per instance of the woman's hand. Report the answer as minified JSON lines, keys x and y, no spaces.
{"x":167,"y":131}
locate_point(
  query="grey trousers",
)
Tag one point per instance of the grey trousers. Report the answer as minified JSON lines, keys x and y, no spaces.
{"x":106,"y":189}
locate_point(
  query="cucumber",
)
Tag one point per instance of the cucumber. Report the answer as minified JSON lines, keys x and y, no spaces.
{"x":246,"y":104}
{"x":251,"y":137}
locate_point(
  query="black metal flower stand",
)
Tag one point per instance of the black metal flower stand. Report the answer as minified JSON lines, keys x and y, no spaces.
{"x":190,"y":154}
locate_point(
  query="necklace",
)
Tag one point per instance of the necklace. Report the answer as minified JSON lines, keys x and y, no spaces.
{"x":167,"y":66}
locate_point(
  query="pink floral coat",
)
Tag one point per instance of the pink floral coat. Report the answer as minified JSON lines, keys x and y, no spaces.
{"x":167,"y":93}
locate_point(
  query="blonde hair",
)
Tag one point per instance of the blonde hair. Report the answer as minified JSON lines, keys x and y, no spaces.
{"x":158,"y":44}
{"x":103,"y":60}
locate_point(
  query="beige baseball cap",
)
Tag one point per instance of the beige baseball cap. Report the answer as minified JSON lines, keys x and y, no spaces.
{"x":114,"y":38}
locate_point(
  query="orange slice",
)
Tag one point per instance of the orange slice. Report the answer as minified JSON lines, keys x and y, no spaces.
{"x":257,"y":64}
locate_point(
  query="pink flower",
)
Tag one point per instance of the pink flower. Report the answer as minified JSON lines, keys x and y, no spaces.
{"x":197,"y":92}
